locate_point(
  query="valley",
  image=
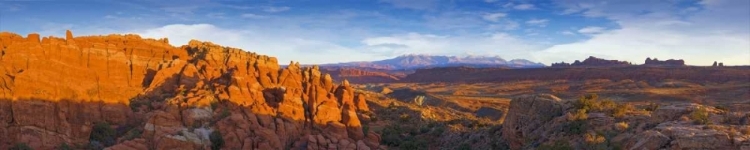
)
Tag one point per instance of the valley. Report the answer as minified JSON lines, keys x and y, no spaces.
{"x":124,"y":92}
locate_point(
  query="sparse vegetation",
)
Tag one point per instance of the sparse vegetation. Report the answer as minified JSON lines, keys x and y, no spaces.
{"x":102,"y":134}
{"x":558,"y":145}
{"x":64,"y":146}
{"x":621,"y":126}
{"x":404,"y":117}
{"x":464,"y":146}
{"x":579,"y":115}
{"x":593,"y":138}
{"x":700,"y":116}
{"x":622,"y":110}
{"x":652,"y":106}
{"x":217,"y":140}
{"x":592,"y":103}
{"x":365,"y":129}
{"x":419,"y":100}
{"x":20,"y":146}
{"x":574,"y":127}
{"x":722,"y":108}
{"x":132,"y":134}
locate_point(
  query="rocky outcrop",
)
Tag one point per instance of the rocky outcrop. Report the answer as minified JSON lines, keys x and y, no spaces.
{"x":535,"y":121}
{"x":53,"y":90}
{"x":526,"y":117}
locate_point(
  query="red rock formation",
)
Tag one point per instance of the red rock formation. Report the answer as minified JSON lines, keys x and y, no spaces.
{"x":54,"y":90}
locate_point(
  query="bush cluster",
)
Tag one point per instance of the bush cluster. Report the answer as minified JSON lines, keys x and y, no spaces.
{"x":102,"y":134}
{"x":217,"y":140}
{"x":592,"y":103}
{"x":700,"y":116}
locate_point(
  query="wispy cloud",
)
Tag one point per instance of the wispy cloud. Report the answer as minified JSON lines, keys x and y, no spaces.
{"x":413,"y":4}
{"x":494,"y":17}
{"x":567,"y":33}
{"x":252,"y":16}
{"x":272,"y":9}
{"x":487,"y":44}
{"x":11,"y":7}
{"x":591,"y":30}
{"x":524,"y":7}
{"x":538,"y":22}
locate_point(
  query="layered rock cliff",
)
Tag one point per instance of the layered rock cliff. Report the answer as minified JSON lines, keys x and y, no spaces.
{"x":54,"y":92}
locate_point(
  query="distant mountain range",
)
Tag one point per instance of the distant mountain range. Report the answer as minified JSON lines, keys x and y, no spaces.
{"x":409,"y":62}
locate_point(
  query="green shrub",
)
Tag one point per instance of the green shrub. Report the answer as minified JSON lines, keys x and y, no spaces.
{"x":652,"y":106}
{"x":20,"y":146}
{"x":135,"y":104}
{"x":700,"y":116}
{"x":365,"y":129}
{"x":723,"y":108}
{"x":558,"y":145}
{"x":404,"y":117}
{"x":217,"y":140}
{"x":438,"y":131}
{"x":414,"y":144}
{"x":586,"y":102}
{"x":424,"y":129}
{"x":574,"y":127}
{"x":103,"y":133}
{"x":464,"y":146}
{"x":592,"y":103}
{"x":64,"y":146}
{"x":132,"y":134}
{"x":580,"y":114}
{"x":621,"y":110}
{"x":214,"y":105}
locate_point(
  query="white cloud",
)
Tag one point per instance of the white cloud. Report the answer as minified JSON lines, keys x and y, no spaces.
{"x":500,"y":44}
{"x":252,"y":16}
{"x":312,"y":50}
{"x":490,"y":1}
{"x":504,"y":25}
{"x":276,"y":9}
{"x":524,"y":7}
{"x":413,"y":4}
{"x":567,"y":33}
{"x":719,"y":32}
{"x":216,"y":15}
{"x":591,"y":30}
{"x":494,"y":17}
{"x":301,"y":47}
{"x":537,"y":22}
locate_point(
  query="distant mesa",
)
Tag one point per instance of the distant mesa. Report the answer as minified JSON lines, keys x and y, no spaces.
{"x":670,"y":62}
{"x":593,"y":61}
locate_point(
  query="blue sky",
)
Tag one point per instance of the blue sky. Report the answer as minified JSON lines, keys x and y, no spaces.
{"x":699,"y":31}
